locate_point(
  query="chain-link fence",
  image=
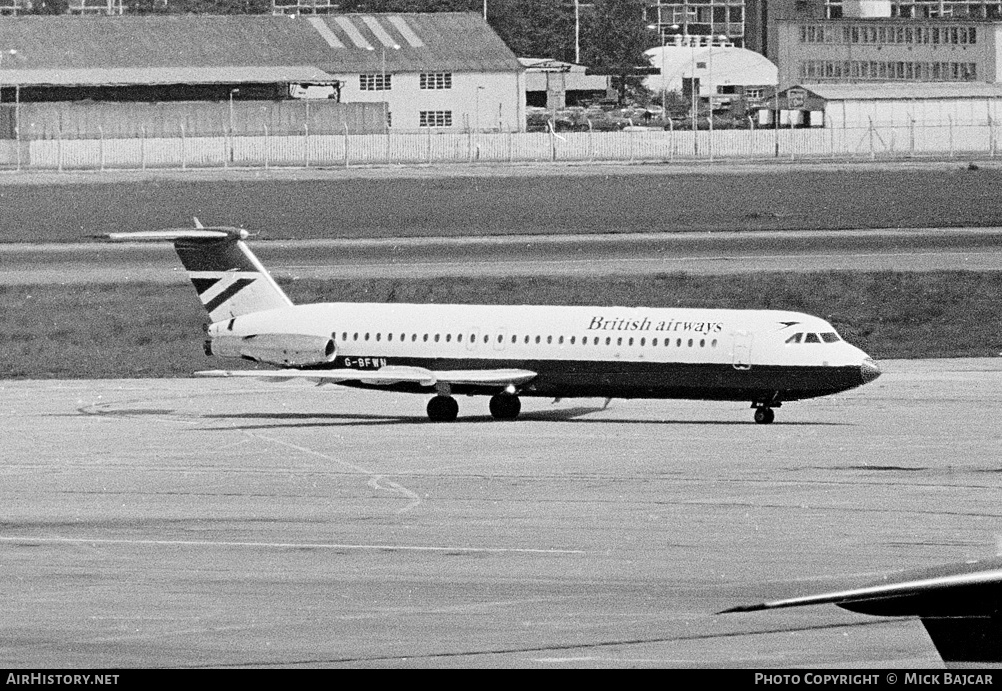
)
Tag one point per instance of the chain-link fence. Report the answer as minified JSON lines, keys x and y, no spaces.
{"x":306,"y":148}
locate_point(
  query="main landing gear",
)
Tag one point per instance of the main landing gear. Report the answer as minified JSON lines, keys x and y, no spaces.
{"x":443,"y":408}
{"x":504,"y":406}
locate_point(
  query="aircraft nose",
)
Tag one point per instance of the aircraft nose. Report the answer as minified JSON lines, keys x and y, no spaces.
{"x":869,"y":370}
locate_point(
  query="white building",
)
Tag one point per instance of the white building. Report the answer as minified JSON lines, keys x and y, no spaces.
{"x":721,"y":70}
{"x":446,"y":70}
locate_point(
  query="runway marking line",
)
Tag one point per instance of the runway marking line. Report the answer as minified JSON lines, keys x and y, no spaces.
{"x":290,"y":545}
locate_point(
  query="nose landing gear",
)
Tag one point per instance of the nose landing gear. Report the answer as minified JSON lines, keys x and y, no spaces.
{"x":764,"y":408}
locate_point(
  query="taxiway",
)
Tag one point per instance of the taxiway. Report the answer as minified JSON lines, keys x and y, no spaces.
{"x":190,"y":523}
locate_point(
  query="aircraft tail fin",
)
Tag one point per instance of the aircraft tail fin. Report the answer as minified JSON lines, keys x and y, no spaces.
{"x":229,"y":279}
{"x":963,"y":641}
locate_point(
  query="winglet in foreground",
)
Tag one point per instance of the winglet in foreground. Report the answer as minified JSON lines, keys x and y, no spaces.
{"x":960,"y":606}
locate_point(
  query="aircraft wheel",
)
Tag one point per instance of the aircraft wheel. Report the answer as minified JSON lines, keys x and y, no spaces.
{"x":764,"y":416}
{"x":505,"y":406}
{"x":443,"y":409}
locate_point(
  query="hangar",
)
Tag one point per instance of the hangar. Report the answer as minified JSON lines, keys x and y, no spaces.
{"x":894,"y":104}
{"x":214,"y":74}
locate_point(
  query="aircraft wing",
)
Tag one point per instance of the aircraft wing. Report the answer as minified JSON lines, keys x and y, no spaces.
{"x":960,"y":606}
{"x":387,"y":375}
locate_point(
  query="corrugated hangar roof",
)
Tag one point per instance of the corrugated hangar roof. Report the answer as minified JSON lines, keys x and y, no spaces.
{"x":78,"y":50}
{"x":883,"y":91}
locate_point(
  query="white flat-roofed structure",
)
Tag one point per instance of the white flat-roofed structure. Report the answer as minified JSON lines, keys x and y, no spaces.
{"x":847,"y":106}
{"x":554,"y":84}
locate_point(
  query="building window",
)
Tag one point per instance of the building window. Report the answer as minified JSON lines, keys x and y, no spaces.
{"x":435,"y":118}
{"x":375,"y":82}
{"x":436,"y":80}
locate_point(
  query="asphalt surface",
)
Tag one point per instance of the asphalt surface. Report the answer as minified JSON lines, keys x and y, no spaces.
{"x":922,"y":249}
{"x":185,"y":523}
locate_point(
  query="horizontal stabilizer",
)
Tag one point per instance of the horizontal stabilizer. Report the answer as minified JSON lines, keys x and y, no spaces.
{"x":914,"y":593}
{"x":387,"y":375}
{"x":174,"y":234}
{"x":960,"y":606}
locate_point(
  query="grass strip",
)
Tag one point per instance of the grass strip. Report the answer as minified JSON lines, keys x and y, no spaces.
{"x":152,"y":330}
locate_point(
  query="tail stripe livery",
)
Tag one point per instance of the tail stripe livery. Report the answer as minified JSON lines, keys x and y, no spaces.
{"x":229,"y":279}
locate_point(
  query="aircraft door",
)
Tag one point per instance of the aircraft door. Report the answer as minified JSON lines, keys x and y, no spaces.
{"x":741,"y":352}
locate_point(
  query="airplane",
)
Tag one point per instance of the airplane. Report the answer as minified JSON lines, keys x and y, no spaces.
{"x":765,"y":357}
{"x":960,"y":606}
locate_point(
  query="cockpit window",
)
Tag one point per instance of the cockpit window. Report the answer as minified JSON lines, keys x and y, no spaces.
{"x":811,"y":338}
{"x":830,"y":337}
{"x":795,"y":338}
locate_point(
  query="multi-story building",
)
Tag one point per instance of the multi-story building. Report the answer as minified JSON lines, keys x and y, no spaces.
{"x":737,"y":22}
{"x":876,"y":41}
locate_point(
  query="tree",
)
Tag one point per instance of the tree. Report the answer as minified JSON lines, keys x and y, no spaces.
{"x":534,"y":28}
{"x":616,"y":36}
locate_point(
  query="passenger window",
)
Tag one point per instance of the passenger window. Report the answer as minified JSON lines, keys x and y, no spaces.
{"x":448,"y":338}
{"x":538,"y":339}
{"x":678,"y":343}
{"x":389,"y":337}
{"x":413,"y":337}
{"x":572,"y":340}
{"x":619,"y":341}
{"x":713,"y":344}
{"x":436,"y":338}
{"x":690,"y":342}
{"x":702,"y":343}
{"x":514,"y":339}
{"x":526,"y":339}
{"x":795,"y":338}
{"x":500,"y":337}
{"x":355,"y":337}
{"x":631,"y":342}
{"x":486,"y":337}
{"x":830,"y":337}
{"x":379,"y":337}
{"x":549,"y":339}
{"x":560,"y":340}
{"x":654,"y":341}
{"x":459,"y":338}
{"x":643,"y":341}
{"x":608,"y":340}
{"x":344,"y":336}
{"x":812,"y":338}
{"x":367,"y":337}
{"x":426,"y":338}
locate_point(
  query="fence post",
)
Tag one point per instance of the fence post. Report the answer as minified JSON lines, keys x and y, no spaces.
{"x":267,"y":148}
{"x":184,"y":148}
{"x":346,"y":159}
{"x":911,"y":137}
{"x":951,"y":135}
{"x":142,"y":150}
{"x":873,"y":154}
{"x":306,"y":143}
{"x":59,"y":151}
{"x":991,"y":137}
{"x":100,"y":146}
